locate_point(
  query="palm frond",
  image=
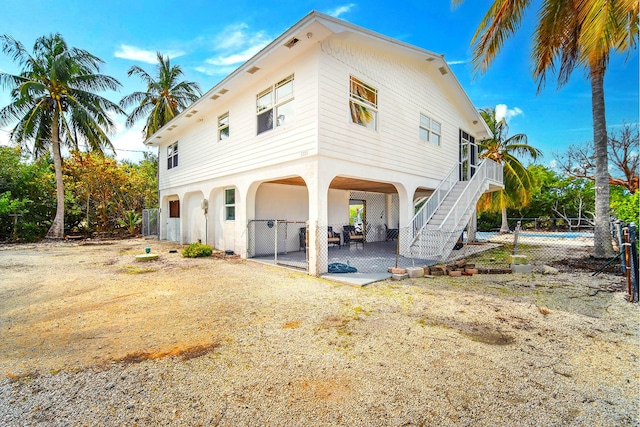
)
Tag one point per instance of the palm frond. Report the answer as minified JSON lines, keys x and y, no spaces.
{"x":501,"y":21}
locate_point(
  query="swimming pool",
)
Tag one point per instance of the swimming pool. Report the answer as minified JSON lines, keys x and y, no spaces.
{"x":485,"y":235}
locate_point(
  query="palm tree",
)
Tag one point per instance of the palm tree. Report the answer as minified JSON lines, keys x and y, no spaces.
{"x":164,"y":99}
{"x":569,"y":34}
{"x":502,"y":149}
{"x":54,"y":103}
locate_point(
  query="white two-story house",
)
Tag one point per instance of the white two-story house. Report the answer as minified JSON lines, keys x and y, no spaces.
{"x":327,"y":140}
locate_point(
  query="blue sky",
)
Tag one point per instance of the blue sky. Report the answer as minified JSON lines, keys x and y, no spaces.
{"x":209,"y":39}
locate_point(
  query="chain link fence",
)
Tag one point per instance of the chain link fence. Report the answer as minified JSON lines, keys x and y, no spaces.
{"x":280,"y":242}
{"x":375,"y":248}
{"x":150,"y":222}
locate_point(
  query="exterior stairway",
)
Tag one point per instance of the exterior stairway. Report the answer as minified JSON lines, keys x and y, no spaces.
{"x":438,"y":224}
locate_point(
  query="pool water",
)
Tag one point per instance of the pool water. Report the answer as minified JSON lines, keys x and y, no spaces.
{"x":482,"y":235}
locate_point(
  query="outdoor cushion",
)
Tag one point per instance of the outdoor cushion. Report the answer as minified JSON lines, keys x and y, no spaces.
{"x":338,"y":267}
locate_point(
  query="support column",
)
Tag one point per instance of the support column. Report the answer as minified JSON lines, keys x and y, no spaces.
{"x":405,"y":202}
{"x":318,"y":189}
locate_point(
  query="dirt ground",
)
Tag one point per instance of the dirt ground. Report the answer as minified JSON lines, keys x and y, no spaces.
{"x":79,"y":306}
{"x":68,"y":305}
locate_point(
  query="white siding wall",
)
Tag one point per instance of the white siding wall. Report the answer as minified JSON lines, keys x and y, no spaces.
{"x":290,"y":202}
{"x":279,"y":202}
{"x":406,"y":88}
{"x":202,"y":157}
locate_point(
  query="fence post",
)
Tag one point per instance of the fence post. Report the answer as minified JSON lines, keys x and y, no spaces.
{"x":633,"y":262}
{"x":275,"y":249}
{"x":620,"y":242}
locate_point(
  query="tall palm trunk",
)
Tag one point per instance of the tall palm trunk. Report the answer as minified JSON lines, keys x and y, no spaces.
{"x":57,"y":227}
{"x":602,"y":248}
{"x":504,"y":228}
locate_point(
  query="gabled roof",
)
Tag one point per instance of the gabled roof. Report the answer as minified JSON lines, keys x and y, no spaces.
{"x":309,"y":30}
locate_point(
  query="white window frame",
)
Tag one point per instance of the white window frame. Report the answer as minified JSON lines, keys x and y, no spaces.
{"x":172,"y":155}
{"x":430,"y":129}
{"x":269,"y":104}
{"x":229,"y":207}
{"x":358,"y":99}
{"x":223,"y":125}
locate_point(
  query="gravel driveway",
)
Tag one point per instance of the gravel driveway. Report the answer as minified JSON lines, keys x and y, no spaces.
{"x":90,"y":337}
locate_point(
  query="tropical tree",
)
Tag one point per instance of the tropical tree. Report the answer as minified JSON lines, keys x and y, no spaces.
{"x":164,"y":99}
{"x":54,"y":102}
{"x":503,"y":149}
{"x":569,"y":34}
{"x":579,"y":160}
{"x":27,"y":191}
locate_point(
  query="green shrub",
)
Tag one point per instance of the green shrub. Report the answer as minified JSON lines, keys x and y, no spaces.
{"x":196,"y":250}
{"x":131,"y":220}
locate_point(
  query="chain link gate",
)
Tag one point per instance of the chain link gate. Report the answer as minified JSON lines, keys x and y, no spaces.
{"x":280,"y":241}
{"x":150,"y":222}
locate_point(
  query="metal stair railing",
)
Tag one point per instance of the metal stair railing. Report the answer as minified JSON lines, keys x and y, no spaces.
{"x":488,"y":170}
{"x":426,"y":212}
{"x":447,"y":232}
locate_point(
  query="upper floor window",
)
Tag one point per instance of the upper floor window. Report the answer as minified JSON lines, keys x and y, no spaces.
{"x":363,"y":104}
{"x":274,"y":106}
{"x":430,"y":130}
{"x":230,"y":204}
{"x":172,"y":155}
{"x":223,"y":127}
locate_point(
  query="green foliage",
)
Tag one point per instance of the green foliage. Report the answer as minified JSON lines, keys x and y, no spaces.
{"x":26,"y":189}
{"x":131,"y":220}
{"x":101,"y":191}
{"x":196,"y":250}
{"x":54,"y":102}
{"x":558,"y":196}
{"x":165,"y":98}
{"x":626,"y":206}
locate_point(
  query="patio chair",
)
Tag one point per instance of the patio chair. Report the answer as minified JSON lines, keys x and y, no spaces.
{"x":391,"y":233}
{"x":333,"y":238}
{"x":351,"y":236}
{"x":302,"y":235}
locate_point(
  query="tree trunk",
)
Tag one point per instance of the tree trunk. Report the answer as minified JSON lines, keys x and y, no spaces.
{"x":472,"y":228}
{"x":57,"y":227}
{"x":602,"y":247}
{"x":504,"y":228}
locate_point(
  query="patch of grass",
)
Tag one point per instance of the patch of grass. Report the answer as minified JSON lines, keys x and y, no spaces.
{"x":493,"y":257}
{"x":358,"y":311}
{"x":130,"y":269}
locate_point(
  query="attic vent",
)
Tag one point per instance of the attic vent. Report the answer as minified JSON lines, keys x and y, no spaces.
{"x":223,"y":91}
{"x":431,"y":58}
{"x":443,"y":70}
{"x":215,"y":97}
{"x":291,"y":43}
{"x":252,"y":70}
{"x":172,"y":127}
{"x":191,"y":113}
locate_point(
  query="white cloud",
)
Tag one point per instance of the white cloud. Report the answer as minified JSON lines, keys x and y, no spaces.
{"x":235,"y":58}
{"x":128,"y":142}
{"x":340,"y":10}
{"x":503,"y":112}
{"x":233,"y":46}
{"x":456,"y":62}
{"x":553,"y":164}
{"x":4,"y":136}
{"x":136,"y":54}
